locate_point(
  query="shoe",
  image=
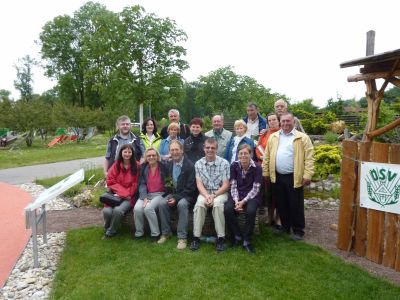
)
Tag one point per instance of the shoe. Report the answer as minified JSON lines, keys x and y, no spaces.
{"x":163,"y":238}
{"x":278,"y":229}
{"x":154,"y":239}
{"x":195,"y":245}
{"x":220,"y":246}
{"x":235,"y":243}
{"x":296,"y":237}
{"x":106,"y":237}
{"x":182,"y":243}
{"x":137,"y":238}
{"x":249,"y":248}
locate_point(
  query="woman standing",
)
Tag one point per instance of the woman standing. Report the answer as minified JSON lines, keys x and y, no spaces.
{"x":246,"y":180}
{"x":122,"y":182}
{"x":149,"y":134}
{"x":173,"y":134}
{"x":151,"y":190}
{"x":231,"y":153}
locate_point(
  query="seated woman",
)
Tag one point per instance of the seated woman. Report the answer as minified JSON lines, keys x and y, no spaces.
{"x":149,"y":134}
{"x":122,"y":181}
{"x":231,"y":152}
{"x":173,"y":134}
{"x":151,"y":190}
{"x":246,"y":180}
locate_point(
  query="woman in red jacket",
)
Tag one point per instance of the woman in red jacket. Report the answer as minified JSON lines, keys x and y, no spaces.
{"x":122,"y":181}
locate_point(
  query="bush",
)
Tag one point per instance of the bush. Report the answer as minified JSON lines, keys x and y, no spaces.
{"x":327,"y":161}
{"x":331,"y":137}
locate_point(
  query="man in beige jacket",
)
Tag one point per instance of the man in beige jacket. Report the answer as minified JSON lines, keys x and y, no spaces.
{"x":289,"y":164}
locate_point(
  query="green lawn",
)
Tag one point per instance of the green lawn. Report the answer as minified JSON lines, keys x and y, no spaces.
{"x":39,"y":153}
{"x":120,"y":268}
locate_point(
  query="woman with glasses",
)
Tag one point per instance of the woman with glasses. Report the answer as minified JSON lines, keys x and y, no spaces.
{"x":151,"y":191}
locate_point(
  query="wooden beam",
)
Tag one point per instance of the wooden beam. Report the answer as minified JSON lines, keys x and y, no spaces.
{"x":384,"y":85}
{"x":395,"y":81}
{"x":371,"y":76}
{"x":384,"y":129}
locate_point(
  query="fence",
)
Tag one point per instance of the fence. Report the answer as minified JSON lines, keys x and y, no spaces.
{"x":369,"y":233}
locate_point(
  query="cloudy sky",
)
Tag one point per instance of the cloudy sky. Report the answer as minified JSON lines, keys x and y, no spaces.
{"x":292,"y":47}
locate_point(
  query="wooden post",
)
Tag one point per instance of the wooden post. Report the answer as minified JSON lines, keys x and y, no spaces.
{"x":376,"y":218}
{"x":348,"y":192}
{"x":370,"y":43}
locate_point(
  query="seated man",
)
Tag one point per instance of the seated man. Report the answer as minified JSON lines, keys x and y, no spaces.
{"x":212,"y":179}
{"x":181,"y":169}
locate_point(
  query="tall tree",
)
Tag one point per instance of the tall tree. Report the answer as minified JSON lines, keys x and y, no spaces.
{"x":24,"y":81}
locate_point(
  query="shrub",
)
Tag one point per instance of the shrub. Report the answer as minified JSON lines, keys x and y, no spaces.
{"x":327,"y":161}
{"x":331,"y":137}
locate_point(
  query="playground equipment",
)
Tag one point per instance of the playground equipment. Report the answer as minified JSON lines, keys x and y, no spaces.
{"x":72,"y":134}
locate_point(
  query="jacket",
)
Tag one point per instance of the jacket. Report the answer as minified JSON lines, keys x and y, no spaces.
{"x":222,"y":140}
{"x":231,"y":144}
{"x":113,"y":146}
{"x":193,"y":147}
{"x":164,"y":146}
{"x":186,"y":185}
{"x":144,"y":173}
{"x":262,"y":143}
{"x":303,"y":152}
{"x":123,"y":182}
{"x":262,"y":123}
{"x":155,"y":143}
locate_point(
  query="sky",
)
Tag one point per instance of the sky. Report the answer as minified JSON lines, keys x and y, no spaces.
{"x":291,"y":47}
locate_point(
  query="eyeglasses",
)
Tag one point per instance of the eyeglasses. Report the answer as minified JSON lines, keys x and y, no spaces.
{"x":210,"y":148}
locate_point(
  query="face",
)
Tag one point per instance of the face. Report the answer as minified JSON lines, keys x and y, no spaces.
{"x":176,"y":152}
{"x":173,"y":117}
{"x":210,"y":149}
{"x":273,"y":122}
{"x":150,"y":127}
{"x":280,"y":107}
{"x":173,"y":132}
{"x":124,"y":126}
{"x":240,"y":130}
{"x":151,"y":157}
{"x":195,"y":129}
{"x":244,"y":156}
{"x":126,"y":154}
{"x":287,"y":123}
{"x":251,"y":112}
{"x":217,"y":123}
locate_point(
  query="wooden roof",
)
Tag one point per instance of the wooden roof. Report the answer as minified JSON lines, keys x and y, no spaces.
{"x":382,"y":62}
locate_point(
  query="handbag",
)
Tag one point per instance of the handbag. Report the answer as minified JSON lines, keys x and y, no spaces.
{"x":110,"y":199}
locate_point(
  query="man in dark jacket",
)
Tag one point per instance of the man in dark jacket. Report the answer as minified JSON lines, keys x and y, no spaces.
{"x":174,"y":117}
{"x":256,"y":124}
{"x":181,"y":171}
{"x":124,"y":136}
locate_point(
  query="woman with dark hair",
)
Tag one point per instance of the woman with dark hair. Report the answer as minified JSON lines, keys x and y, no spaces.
{"x":193,"y":146}
{"x":246,"y":180}
{"x":122,"y":182}
{"x":149,"y":134}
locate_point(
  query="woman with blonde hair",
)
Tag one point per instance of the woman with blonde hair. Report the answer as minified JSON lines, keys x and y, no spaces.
{"x":231,"y":152}
{"x":173,"y":134}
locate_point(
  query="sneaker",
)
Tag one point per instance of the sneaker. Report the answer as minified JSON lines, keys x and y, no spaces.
{"x":163,"y":238}
{"x":106,"y":236}
{"x":235,"y":243}
{"x":138,"y":237}
{"x":195,"y":245}
{"x":154,"y":239}
{"x":220,"y":246}
{"x":296,"y":237}
{"x":249,"y":248}
{"x":182,"y":243}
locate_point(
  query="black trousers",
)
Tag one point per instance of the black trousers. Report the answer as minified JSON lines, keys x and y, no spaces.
{"x":231,"y":218}
{"x":290,"y":203}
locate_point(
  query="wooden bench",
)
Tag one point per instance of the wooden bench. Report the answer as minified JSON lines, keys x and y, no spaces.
{"x":208,"y":228}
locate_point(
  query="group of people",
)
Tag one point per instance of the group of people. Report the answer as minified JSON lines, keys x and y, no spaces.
{"x":183,"y":169}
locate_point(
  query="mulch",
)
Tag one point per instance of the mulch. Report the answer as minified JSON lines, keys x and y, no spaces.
{"x":318,"y":232}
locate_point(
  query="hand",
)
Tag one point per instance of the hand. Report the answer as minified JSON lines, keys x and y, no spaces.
{"x":145,"y":202}
{"x":263,"y":131}
{"x":116,"y":195}
{"x":105,"y":174}
{"x":171,"y":202}
{"x":210,"y":200}
{"x":239,"y":206}
{"x":305,"y":182}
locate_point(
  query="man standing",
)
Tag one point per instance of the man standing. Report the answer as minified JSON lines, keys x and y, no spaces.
{"x":212,"y":178}
{"x":220,"y":134}
{"x":173,"y":116}
{"x":181,"y":170}
{"x":123,"y":136}
{"x":281,"y":107}
{"x":256,"y":124}
{"x":289,"y":164}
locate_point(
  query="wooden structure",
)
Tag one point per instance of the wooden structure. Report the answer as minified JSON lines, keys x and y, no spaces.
{"x":370,"y":233}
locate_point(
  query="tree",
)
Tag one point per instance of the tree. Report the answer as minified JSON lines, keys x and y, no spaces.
{"x":24,"y":81}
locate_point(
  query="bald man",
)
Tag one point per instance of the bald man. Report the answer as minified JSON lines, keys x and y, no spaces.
{"x":281,"y":107}
{"x":220,"y":134}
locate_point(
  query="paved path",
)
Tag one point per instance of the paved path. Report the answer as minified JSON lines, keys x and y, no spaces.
{"x":28,"y":174}
{"x":13,"y":234}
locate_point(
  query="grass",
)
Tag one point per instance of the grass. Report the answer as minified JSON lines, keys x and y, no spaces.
{"x":120,"y":268}
{"x":39,"y":153}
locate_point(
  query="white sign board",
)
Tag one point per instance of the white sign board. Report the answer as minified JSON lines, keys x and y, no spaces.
{"x":380,"y":186}
{"x":57,"y":189}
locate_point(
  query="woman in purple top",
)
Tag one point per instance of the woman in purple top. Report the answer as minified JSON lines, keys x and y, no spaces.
{"x":246,"y":179}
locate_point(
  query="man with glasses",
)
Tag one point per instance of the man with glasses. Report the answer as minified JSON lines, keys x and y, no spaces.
{"x":212,"y":179}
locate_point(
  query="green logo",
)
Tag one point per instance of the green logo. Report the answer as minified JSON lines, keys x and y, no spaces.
{"x":383,"y":186}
